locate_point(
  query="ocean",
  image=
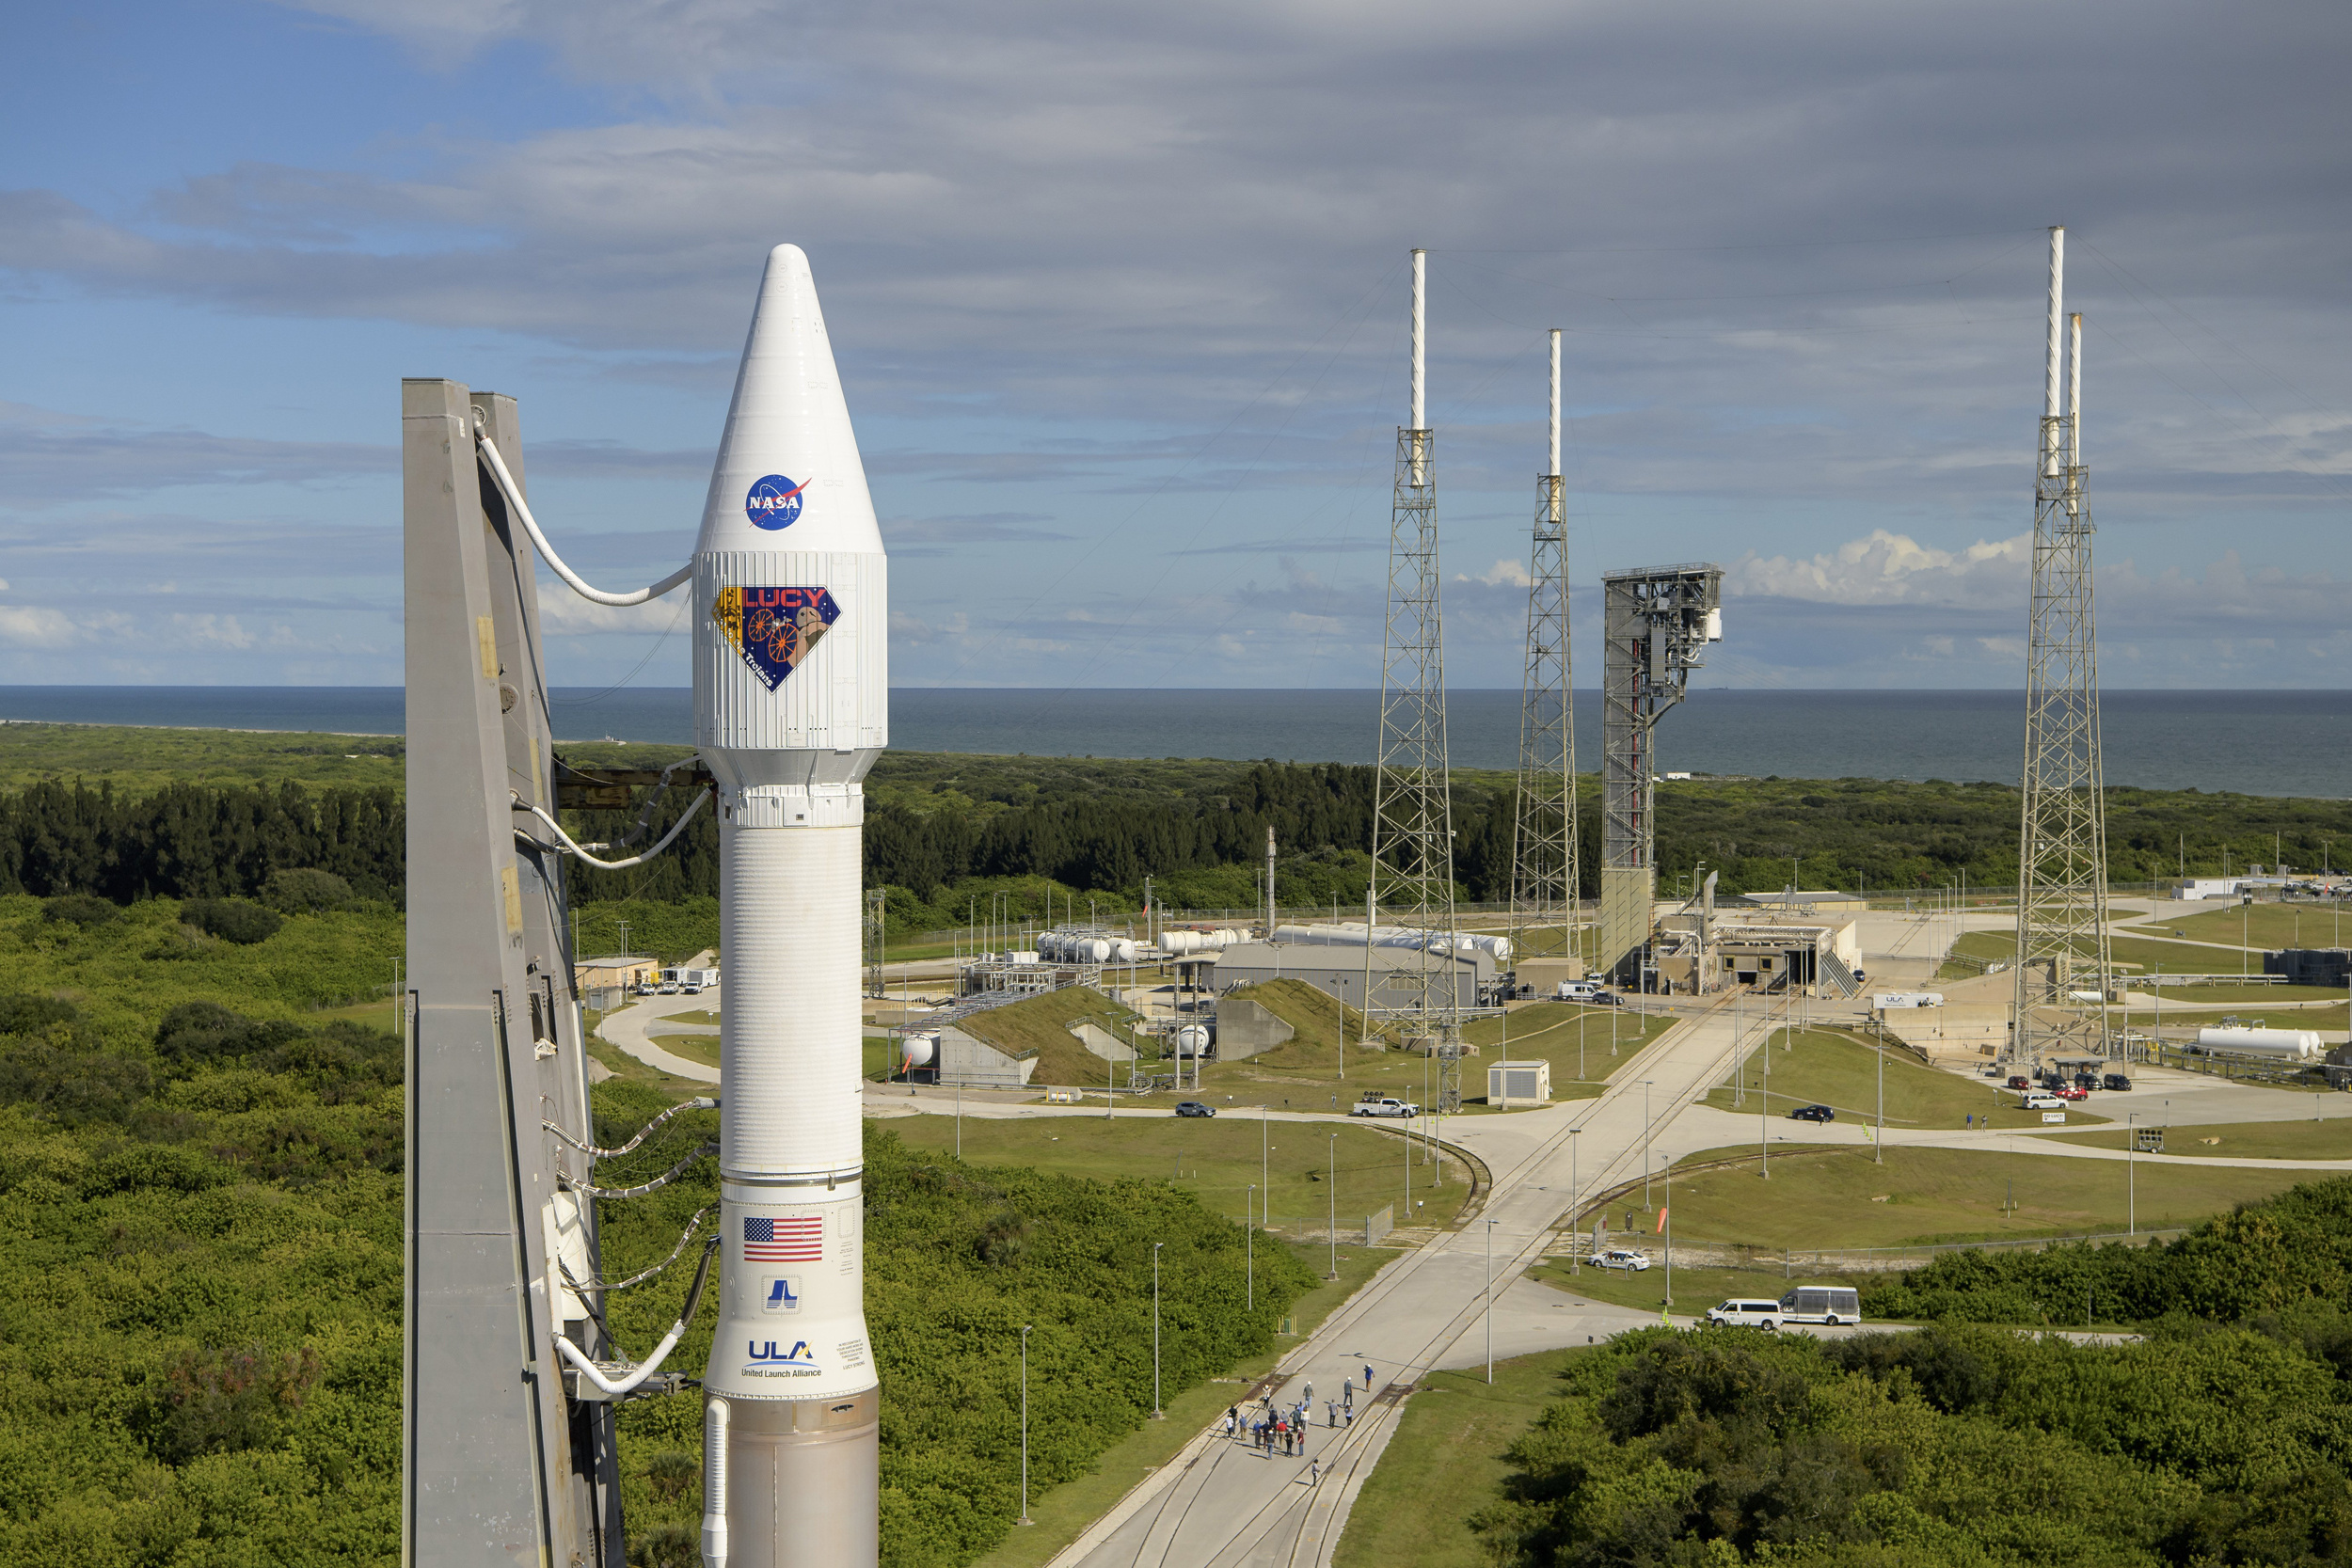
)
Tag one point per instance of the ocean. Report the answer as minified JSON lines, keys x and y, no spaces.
{"x":2253,"y":742}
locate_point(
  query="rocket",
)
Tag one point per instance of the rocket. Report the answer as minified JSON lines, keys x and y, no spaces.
{"x":792,"y":705}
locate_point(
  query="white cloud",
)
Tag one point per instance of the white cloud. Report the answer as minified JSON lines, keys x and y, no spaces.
{"x":1505,"y":572}
{"x":1893,"y":568}
{"x":30,"y":626}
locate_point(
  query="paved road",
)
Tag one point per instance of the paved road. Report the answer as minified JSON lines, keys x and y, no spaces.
{"x":1222,"y":1504}
{"x":629,"y":1028}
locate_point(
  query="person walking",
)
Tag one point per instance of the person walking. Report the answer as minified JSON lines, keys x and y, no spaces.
{"x":1347,"y":1394}
{"x":1367,"y":1377}
{"x":1315,"y":1472}
{"x":1331,"y":1413}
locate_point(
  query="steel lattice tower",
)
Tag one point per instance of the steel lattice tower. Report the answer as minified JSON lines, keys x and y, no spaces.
{"x":1412,"y":824}
{"x":1543,"y":866}
{"x":2062,"y":838}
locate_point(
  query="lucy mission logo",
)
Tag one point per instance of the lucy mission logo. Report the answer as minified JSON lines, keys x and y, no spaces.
{"x":774,"y":501}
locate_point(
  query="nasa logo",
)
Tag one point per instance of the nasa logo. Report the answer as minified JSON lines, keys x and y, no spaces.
{"x":780,"y":1293}
{"x":774,"y":501}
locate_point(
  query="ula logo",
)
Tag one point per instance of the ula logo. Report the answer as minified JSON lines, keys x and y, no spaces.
{"x":774,"y":501}
{"x":762,"y":1359}
{"x":782,"y":1293}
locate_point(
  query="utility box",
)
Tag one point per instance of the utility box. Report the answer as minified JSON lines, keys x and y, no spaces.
{"x":1519,"y":1083}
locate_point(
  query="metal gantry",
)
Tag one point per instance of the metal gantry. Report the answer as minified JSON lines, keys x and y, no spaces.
{"x":2063,"y":950}
{"x":1412,"y":824}
{"x":1656,"y":622}
{"x":1544,"y":863}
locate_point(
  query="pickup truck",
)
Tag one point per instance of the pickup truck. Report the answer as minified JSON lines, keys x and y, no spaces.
{"x":1385,"y":1106}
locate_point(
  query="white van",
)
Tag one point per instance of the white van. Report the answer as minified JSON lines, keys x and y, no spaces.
{"x":1821,"y":1303}
{"x":1575,"y":990}
{"x":1746,"y":1313}
{"x":2042,"y":1099}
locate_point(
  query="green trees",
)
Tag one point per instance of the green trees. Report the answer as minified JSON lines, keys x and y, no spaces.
{"x":1953,"y":1446}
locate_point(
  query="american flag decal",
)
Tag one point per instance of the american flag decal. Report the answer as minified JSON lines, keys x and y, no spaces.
{"x":799,"y":1240}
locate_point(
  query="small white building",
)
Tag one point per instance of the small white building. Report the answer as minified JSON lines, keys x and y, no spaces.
{"x":1519,"y":1083}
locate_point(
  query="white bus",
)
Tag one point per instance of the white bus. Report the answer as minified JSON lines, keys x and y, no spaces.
{"x":1821,"y":1304}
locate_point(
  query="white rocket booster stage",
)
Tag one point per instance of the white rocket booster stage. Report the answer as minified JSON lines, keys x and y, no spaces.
{"x":791,"y":703}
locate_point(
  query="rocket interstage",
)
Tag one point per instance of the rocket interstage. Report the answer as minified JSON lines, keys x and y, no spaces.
{"x":791,"y":683}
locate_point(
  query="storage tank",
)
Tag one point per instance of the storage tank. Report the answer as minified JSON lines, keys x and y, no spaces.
{"x":2293,"y":1045}
{"x":1178,"y":942}
{"x":1123,"y":950}
{"x":1192,"y":1040}
{"x":918,"y":1050}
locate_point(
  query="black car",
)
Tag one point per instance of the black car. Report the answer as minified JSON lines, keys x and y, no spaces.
{"x":1194,"y":1108}
{"x":2115,"y":1080}
{"x":1812,"y":1113}
{"x":2085,"y":1081}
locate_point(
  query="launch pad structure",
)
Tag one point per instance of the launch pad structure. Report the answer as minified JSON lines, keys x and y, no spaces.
{"x":1545,"y":870}
{"x":2065,"y":965}
{"x":1656,"y":621}
{"x":1412,"y":823}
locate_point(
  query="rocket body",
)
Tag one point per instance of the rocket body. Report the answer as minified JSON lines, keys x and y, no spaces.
{"x":791,"y":695}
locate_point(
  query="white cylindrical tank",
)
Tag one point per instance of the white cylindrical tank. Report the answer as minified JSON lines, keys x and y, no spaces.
{"x":919,"y":1049}
{"x":1192,"y":1040}
{"x":791,"y":704}
{"x":2294,"y":1045}
{"x":1123,"y":950}
{"x":1180,"y":943}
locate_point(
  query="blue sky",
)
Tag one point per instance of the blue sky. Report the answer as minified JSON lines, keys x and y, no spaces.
{"x":1119,"y":295}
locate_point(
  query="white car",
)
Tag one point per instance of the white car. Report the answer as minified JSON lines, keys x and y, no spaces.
{"x":1386,"y":1107}
{"x":2042,"y":1099}
{"x":1746,"y":1313}
{"x":1619,"y":1258}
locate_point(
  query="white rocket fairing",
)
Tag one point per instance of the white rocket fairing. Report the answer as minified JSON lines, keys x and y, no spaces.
{"x":791,"y":701}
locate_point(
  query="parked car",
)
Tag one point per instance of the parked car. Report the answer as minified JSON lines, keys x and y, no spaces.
{"x":2041,"y":1100}
{"x":687,"y":987}
{"x":1194,"y":1108}
{"x":2018,"y":1081}
{"x":2074,"y":1094}
{"x":667,"y":988}
{"x":2116,"y":1081}
{"x":1577,"y":991}
{"x":1812,"y":1113}
{"x":1747,"y":1314}
{"x":1386,"y":1105}
{"x":1619,"y":1258}
{"x":2086,"y":1080}
{"x":1821,"y":1303}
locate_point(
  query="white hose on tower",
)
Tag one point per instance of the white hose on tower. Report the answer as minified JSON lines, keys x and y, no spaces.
{"x":514,"y":495}
{"x":569,"y":843}
{"x":715,"y":1483}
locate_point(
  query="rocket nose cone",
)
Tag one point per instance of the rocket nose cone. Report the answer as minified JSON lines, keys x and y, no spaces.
{"x":788,"y":474}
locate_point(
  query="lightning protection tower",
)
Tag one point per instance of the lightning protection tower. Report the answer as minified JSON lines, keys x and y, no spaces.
{"x":1412,"y":824}
{"x":2063,"y":958}
{"x":1656,"y":622}
{"x":1544,"y":869}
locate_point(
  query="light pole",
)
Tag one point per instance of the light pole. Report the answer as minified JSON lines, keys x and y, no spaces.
{"x":1025,"y":1425}
{"x":1576,"y":1253}
{"x":1879,"y":1140}
{"x":1490,"y":1301}
{"x":1645,"y":1132}
{"x":2131,"y":1174}
{"x":1331,"y":1179}
{"x":959,"y":1121}
{"x":1249,"y":1246}
{"x":1156,"y":1413}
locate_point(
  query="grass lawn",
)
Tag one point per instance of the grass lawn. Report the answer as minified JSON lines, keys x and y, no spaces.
{"x":2232,"y":993}
{"x":2260,"y":925}
{"x":1829,"y":1197}
{"x":1695,"y":1290}
{"x":627,"y":1067}
{"x":2330,"y":1139}
{"x":1443,"y":1462}
{"x":1304,"y":1075}
{"x":1063,"y":1513}
{"x":1042,"y":1025}
{"x":2129,"y":953}
{"x":1825,"y":1067}
{"x":1218,"y":1159}
{"x":701,"y":1015}
{"x":694,"y":1048}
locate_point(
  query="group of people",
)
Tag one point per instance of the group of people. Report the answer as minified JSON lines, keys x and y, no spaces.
{"x":1269,"y":1429}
